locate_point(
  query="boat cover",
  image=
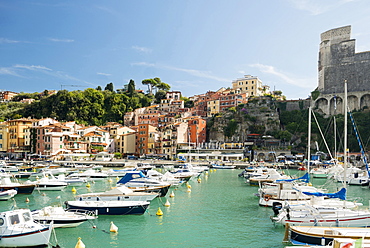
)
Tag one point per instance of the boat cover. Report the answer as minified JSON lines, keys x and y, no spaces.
{"x":131,"y":175}
{"x":341,"y":194}
{"x":305,"y":178}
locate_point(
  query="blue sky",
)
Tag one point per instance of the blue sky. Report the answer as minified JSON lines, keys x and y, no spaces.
{"x":193,"y":45}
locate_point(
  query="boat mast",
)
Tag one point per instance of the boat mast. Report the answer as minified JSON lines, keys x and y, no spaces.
{"x":335,"y":130}
{"x":345,"y":134}
{"x":309,"y":140}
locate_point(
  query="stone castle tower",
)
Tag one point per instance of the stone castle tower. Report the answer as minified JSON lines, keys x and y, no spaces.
{"x":338,"y":62}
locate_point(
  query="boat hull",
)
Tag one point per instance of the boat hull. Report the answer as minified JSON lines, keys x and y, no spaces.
{"x":106,"y":208}
{"x":21,"y":189}
{"x":26,"y":239}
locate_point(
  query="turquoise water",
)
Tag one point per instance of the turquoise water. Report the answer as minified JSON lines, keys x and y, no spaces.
{"x":220,"y":211}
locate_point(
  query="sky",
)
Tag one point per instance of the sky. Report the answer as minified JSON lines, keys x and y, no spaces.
{"x":195,"y":46}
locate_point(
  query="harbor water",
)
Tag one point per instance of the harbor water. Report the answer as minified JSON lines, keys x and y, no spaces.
{"x":219,"y":211}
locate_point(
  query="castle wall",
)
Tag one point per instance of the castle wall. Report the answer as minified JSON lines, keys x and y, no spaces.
{"x":338,"y":62}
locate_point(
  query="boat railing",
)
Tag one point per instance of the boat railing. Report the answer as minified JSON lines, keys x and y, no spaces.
{"x":82,"y":212}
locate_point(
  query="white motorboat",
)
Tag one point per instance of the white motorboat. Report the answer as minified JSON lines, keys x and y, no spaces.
{"x":120,"y":193}
{"x":89,"y":175}
{"x":7,"y":194}
{"x":282,"y":191}
{"x":71,"y":180}
{"x":49,"y":182}
{"x":137,"y":181}
{"x":166,"y":177}
{"x":18,"y":229}
{"x":271,"y":175}
{"x":322,"y":215}
{"x":319,"y":172}
{"x":61,"y":217}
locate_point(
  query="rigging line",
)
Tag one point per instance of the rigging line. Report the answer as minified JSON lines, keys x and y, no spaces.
{"x":359,"y":142}
{"x":326,"y":145}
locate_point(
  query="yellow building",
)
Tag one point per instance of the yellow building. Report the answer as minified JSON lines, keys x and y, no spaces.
{"x":127,"y":142}
{"x":3,"y":137}
{"x":213,"y":107}
{"x":17,"y":135}
{"x":250,"y":85}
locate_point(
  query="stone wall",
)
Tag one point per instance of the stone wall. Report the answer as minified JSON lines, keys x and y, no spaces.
{"x":338,"y":62}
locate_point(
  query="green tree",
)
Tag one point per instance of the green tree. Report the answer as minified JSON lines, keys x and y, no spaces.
{"x":131,"y":88}
{"x":109,"y":87}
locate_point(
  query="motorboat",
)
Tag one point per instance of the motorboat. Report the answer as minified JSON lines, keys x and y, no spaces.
{"x":61,"y":217}
{"x":320,"y":172}
{"x":222,"y":166}
{"x":319,"y":235}
{"x":73,"y":181}
{"x":271,"y":175}
{"x":89,"y":175}
{"x":22,"y":188}
{"x":18,"y":229}
{"x":7,"y":194}
{"x":109,"y":207}
{"x":120,"y":193}
{"x":166,"y":177}
{"x":282,"y":191}
{"x":137,"y":181}
{"x":49,"y":182}
{"x":322,"y":215}
{"x":183,"y":174}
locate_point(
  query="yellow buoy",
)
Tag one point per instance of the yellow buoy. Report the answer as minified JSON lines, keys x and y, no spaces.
{"x":110,"y":180}
{"x":188,"y":185}
{"x":207,"y":173}
{"x":172,"y":194}
{"x":309,"y":184}
{"x":159,"y":212}
{"x":27,"y":200}
{"x":80,"y":244}
{"x":199,"y":180}
{"x":88,"y":185}
{"x":113,"y":227}
{"x":117,"y":178}
{"x":167,"y":204}
{"x":74,"y":190}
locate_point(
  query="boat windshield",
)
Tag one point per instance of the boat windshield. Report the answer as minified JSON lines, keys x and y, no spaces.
{"x":26,"y":216}
{"x":14,"y":219}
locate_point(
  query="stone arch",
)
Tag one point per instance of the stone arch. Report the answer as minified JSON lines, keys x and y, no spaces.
{"x":353,"y":102}
{"x":261,"y":156}
{"x":321,"y":105}
{"x":365,"y":102}
{"x":336,"y":104}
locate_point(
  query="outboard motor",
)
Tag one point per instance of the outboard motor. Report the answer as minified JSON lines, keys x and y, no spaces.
{"x":276,"y":207}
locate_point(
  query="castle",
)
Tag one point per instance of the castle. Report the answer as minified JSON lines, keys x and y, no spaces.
{"x":338,"y":62}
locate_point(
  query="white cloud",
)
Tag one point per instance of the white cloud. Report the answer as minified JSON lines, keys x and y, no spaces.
{"x":61,"y":40}
{"x":197,"y":73}
{"x":317,"y":7}
{"x":268,"y":69}
{"x":103,"y":74}
{"x":142,"y":49}
{"x":7,"y":41}
{"x":8,"y":71}
{"x":33,"y":67}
